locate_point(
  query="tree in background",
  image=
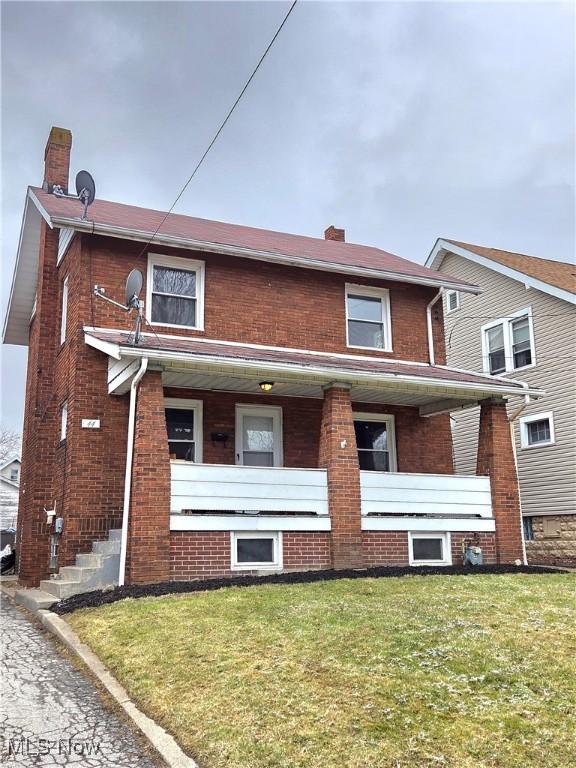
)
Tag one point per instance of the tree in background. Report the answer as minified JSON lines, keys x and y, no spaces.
{"x":10,"y":442}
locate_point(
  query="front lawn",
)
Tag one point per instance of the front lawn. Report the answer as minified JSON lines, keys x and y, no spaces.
{"x":372,"y":673}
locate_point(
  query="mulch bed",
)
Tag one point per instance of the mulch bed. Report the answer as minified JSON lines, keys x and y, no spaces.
{"x":105,"y":597}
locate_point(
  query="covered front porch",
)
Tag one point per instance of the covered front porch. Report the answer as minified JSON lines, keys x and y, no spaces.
{"x":259,"y":443}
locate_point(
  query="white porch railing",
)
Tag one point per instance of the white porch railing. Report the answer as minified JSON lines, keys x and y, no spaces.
{"x":398,"y":493}
{"x":231,"y":488}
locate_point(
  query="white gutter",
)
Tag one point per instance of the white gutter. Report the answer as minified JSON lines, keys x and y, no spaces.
{"x":512,"y":419}
{"x":128,"y":475}
{"x":429,"y":325}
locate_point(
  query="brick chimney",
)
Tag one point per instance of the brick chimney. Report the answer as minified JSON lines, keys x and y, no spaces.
{"x":57,"y":158}
{"x":334,"y":234}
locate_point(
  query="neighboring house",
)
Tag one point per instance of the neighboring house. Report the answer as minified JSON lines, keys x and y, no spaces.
{"x":9,"y":490}
{"x":286,"y":408}
{"x":522,"y":325}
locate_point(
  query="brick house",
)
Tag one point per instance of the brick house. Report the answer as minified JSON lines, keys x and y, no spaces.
{"x":287,"y":406}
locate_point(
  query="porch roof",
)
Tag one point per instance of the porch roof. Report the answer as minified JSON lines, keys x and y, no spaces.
{"x":176,"y":352}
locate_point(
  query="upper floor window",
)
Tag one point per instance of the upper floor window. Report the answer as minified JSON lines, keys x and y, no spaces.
{"x":175,"y":292}
{"x":14,"y":475}
{"x":452,"y":301}
{"x":64,"y":310}
{"x":508,"y":344}
{"x":368,"y":318}
{"x":537,"y":430}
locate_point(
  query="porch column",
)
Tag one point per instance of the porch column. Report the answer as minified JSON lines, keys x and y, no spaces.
{"x":148,"y":558}
{"x":338,"y":454}
{"x":496,"y":459}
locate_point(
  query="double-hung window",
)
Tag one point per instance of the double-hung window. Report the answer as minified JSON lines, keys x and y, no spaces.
{"x":537,"y":430}
{"x":368,"y":318}
{"x":184,"y":427}
{"x":508,"y":344}
{"x":375,"y":441}
{"x":175,"y":292}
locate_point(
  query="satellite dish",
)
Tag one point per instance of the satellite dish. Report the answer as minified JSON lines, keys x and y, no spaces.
{"x":133,"y":287}
{"x":85,"y":189}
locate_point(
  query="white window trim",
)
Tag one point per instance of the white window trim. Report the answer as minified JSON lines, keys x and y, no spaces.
{"x":452,"y":293}
{"x":198,"y":407}
{"x":260,"y":410}
{"x":177,"y":262}
{"x":390,"y":421}
{"x":446,"y":548}
{"x":525,"y":420}
{"x":276,"y":537}
{"x":63,"y":420}
{"x":507,"y":322}
{"x":64,"y":311}
{"x":384,"y":295}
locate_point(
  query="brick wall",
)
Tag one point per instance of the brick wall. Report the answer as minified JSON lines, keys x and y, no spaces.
{"x":271,"y":303}
{"x":391,"y":547}
{"x":206,"y":554}
{"x":496,"y":459}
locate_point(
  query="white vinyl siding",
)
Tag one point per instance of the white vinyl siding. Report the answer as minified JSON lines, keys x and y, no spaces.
{"x":547,"y":476}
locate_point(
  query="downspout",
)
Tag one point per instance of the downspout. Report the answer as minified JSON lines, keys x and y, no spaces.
{"x":429,"y":325}
{"x":128,"y":476}
{"x":511,"y":420}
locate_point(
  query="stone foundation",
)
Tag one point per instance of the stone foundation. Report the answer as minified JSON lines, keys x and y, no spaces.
{"x":554,"y":541}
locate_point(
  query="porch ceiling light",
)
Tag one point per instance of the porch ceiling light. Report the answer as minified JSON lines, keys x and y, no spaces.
{"x":266,"y":386}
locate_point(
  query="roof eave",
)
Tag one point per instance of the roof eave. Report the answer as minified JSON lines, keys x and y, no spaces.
{"x":441,"y":247}
{"x":248,"y":253}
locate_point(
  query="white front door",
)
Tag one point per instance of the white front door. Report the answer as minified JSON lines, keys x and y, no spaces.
{"x":259,"y":436}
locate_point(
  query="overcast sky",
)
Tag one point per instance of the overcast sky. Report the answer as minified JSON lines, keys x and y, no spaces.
{"x":400,"y":122}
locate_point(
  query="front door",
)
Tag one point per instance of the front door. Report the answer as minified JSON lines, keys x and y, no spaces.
{"x":258,"y":436}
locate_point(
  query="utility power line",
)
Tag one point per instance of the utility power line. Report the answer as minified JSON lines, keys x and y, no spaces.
{"x":222,"y":125}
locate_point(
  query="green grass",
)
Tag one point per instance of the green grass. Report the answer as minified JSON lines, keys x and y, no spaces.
{"x":371,"y":673}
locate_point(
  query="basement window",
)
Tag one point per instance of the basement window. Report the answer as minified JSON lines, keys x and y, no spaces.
{"x":258,"y":550}
{"x":175,"y":292}
{"x":528,"y":527}
{"x":429,"y":549}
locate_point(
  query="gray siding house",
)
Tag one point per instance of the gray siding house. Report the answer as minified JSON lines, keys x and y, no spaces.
{"x":9,"y":491}
{"x":523,"y":325}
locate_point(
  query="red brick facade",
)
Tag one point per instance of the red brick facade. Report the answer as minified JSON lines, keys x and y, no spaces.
{"x":391,"y":547}
{"x":496,"y":459}
{"x":245,"y":301}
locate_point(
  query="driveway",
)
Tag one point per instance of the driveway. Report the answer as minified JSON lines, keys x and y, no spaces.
{"x":51,"y":714}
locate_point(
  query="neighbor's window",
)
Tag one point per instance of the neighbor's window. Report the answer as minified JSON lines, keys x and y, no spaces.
{"x":368,"y":317}
{"x":452,"y":301}
{"x":256,"y":550}
{"x":508,"y":344}
{"x":184,"y":427}
{"x":375,"y":441}
{"x":537,"y":430}
{"x":14,"y":475}
{"x":175,"y":289}
{"x":63,"y":420}
{"x":429,"y":549}
{"x":528,"y":529}
{"x":64,"y":311}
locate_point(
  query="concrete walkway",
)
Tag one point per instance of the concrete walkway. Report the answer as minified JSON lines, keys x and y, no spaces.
{"x":50,"y":713}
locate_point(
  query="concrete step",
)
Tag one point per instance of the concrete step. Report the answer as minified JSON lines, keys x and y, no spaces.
{"x":61,"y":589}
{"x":115,"y":534}
{"x":76,"y":573}
{"x":34,"y":599}
{"x":90,"y":560}
{"x":106,"y":547}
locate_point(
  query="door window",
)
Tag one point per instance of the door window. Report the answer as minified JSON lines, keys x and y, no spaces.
{"x":259,"y":437}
